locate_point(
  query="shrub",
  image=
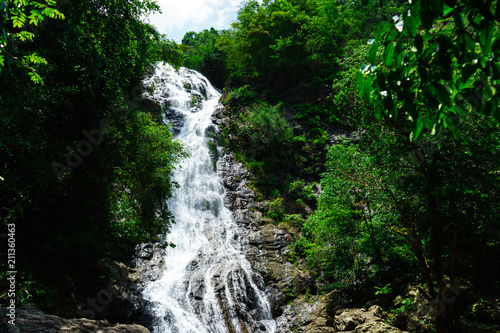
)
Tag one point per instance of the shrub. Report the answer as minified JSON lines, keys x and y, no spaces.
{"x":266,"y":130}
{"x":276,"y":211}
{"x":241,"y":96}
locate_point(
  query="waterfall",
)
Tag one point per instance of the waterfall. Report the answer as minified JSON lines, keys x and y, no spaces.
{"x":207,"y":284}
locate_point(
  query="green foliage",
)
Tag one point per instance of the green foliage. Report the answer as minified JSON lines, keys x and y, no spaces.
{"x":345,"y":93}
{"x":85,"y":171}
{"x":404,"y":306}
{"x":212,"y":146}
{"x":17,"y":18}
{"x":193,"y":101}
{"x":293,"y":37}
{"x":275,"y":193}
{"x":201,"y":54}
{"x":385,"y":290}
{"x":276,"y":211}
{"x":287,"y":50}
{"x":266,"y":37}
{"x":307,"y":111}
{"x":241,"y":96}
{"x":27,"y":290}
{"x":294,"y":220}
{"x":437,"y":66}
{"x":297,"y":189}
{"x":266,"y":130}
{"x":383,"y":206}
{"x":143,"y":181}
{"x":289,"y":294}
{"x":432,"y":72}
{"x":348,"y":237}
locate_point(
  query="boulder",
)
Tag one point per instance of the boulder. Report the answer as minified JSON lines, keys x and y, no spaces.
{"x":376,"y":327}
{"x":376,"y":310}
{"x":31,"y":320}
{"x":349,"y":319}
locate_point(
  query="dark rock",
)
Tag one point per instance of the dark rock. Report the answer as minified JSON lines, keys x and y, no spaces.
{"x":400,"y":321}
{"x":31,"y":320}
{"x":152,"y":107}
{"x":175,"y":119}
{"x":126,"y":304}
{"x":131,"y":309}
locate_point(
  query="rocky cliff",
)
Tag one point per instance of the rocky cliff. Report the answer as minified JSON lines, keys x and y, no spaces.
{"x":288,"y":286}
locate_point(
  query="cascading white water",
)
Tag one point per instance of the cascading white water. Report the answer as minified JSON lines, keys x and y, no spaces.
{"x":207,"y":284}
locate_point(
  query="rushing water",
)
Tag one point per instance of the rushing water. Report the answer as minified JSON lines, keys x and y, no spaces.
{"x":207,"y":284}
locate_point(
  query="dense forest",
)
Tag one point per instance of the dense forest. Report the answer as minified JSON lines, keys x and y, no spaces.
{"x":85,"y":164}
{"x":370,"y":128}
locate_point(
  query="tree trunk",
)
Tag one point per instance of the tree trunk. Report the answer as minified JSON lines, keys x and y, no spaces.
{"x":445,"y":313}
{"x":446,"y":316}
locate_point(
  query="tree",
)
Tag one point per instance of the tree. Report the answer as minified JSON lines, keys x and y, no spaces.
{"x":85,"y":164}
{"x":266,"y":131}
{"x":381,"y":209}
{"x":20,"y":20}
{"x":349,"y":240}
{"x":438,"y":71}
{"x":202,"y":54}
{"x":438,"y":65}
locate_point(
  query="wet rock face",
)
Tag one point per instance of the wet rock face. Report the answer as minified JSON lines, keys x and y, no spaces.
{"x":31,"y":320}
{"x":148,"y":264}
{"x":174,"y":119}
{"x":126,"y":303}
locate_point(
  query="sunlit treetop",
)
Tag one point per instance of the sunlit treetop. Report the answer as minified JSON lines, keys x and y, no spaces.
{"x":19,"y":22}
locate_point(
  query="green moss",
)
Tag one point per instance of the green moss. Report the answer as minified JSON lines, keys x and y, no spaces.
{"x":151,"y":89}
{"x":212,"y":146}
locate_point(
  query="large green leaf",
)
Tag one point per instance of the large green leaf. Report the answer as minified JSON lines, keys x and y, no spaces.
{"x":372,"y":53}
{"x":495,"y":112}
{"x":486,"y":36}
{"x":419,"y":125}
{"x":361,"y":82}
{"x":467,"y":73}
{"x":447,"y":9}
{"x":384,"y":27}
{"x":470,"y":44}
{"x":389,"y":54}
{"x":410,"y":25}
{"x":367,"y":91}
{"x":427,"y":17}
{"x":443,"y":93}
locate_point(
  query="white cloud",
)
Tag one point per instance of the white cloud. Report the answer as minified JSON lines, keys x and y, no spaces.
{"x":179,"y":17}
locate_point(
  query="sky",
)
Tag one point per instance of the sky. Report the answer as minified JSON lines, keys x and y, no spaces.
{"x":181,"y":16}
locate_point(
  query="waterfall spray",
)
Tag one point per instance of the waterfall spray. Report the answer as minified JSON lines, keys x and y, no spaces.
{"x":207,"y":284}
